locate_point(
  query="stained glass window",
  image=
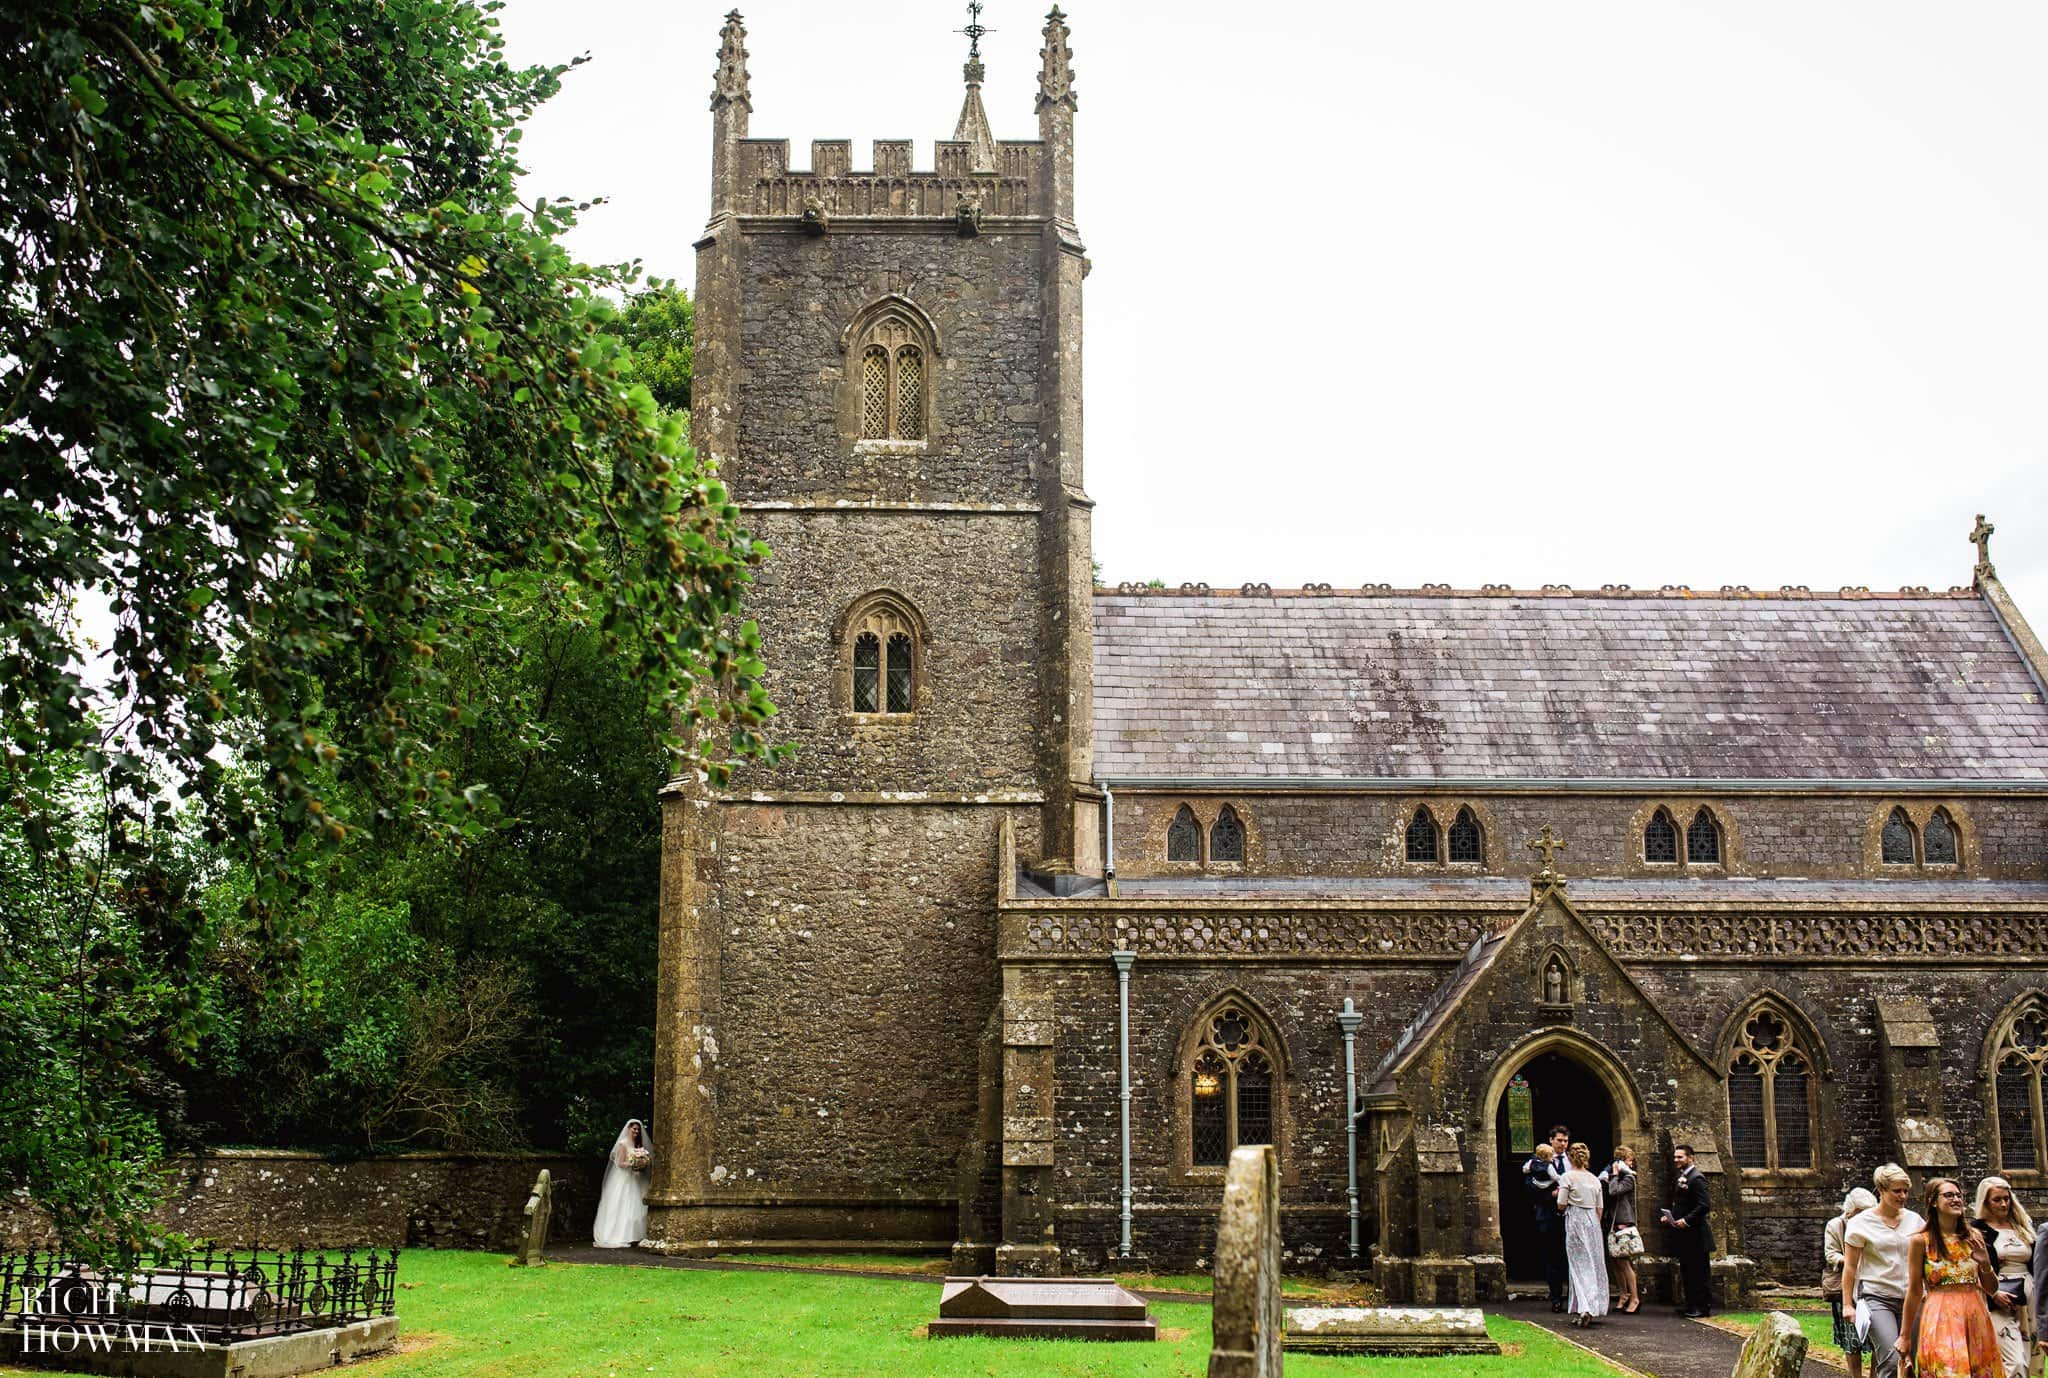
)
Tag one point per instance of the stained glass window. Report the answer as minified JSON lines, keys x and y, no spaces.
{"x":867,"y":673}
{"x":1703,"y":840}
{"x":874,"y":394}
{"x":1230,"y":1088}
{"x":2022,"y":1050}
{"x":1184,"y":837}
{"x":1770,"y":1095}
{"x":1898,"y":839}
{"x":909,"y":393}
{"x":1226,"y":836}
{"x":1939,"y":840}
{"x":1660,"y":838}
{"x":899,"y":673}
{"x":1465,"y":842}
{"x":1422,"y":836}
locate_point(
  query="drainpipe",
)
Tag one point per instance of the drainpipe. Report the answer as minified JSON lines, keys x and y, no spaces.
{"x":1109,"y":841}
{"x":1348,"y":1019}
{"x":1124,"y":961}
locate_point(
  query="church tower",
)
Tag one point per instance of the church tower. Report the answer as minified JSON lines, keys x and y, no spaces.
{"x":888,"y":376}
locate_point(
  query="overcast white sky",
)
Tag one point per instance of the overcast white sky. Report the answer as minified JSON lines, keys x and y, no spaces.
{"x":1636,"y":291}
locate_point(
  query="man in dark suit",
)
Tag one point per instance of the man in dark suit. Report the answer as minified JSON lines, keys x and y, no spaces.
{"x":1541,"y":1179}
{"x":1692,"y":1238}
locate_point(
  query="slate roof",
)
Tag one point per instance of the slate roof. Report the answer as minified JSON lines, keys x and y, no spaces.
{"x":1488,"y":686}
{"x":1588,"y":892}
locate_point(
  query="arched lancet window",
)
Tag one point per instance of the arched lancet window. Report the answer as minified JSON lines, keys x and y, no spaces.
{"x":1422,"y":836}
{"x":1897,"y":846}
{"x":1770,"y":1095}
{"x":1660,"y":838}
{"x":2020,"y":1051}
{"x":1229,"y":1087}
{"x":892,"y":342}
{"x":882,"y":638}
{"x":1703,"y":840}
{"x":1464,"y":841}
{"x":1184,"y":836}
{"x":1938,"y":840}
{"x":1226,"y":836}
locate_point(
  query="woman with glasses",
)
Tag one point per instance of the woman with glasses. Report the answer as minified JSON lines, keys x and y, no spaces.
{"x":1946,"y":1327}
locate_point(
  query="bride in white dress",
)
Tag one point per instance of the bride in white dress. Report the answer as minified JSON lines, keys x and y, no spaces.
{"x":622,"y":1205}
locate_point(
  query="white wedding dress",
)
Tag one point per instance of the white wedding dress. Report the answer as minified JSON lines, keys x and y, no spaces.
{"x":622,"y":1205}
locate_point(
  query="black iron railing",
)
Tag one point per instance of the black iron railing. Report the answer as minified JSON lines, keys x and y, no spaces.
{"x":217,"y":1295}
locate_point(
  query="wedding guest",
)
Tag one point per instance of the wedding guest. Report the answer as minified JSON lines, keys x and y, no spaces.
{"x":1946,"y":1328}
{"x":2010,"y":1236}
{"x":1541,"y":1175}
{"x":1876,"y":1246}
{"x":1831,"y":1250}
{"x":1692,"y":1236}
{"x":1580,"y":1197}
{"x":1624,"y":1238}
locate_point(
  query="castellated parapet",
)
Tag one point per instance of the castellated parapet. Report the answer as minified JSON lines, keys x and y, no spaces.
{"x":890,"y":187}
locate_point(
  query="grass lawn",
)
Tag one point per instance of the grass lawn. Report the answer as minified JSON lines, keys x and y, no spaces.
{"x":1818,"y":1325}
{"x":938,"y":1265}
{"x":490,"y":1321}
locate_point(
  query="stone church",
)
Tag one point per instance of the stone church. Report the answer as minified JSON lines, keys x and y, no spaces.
{"x":1068,"y":890}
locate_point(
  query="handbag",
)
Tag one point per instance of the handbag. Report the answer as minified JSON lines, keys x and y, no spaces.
{"x":1624,"y":1241}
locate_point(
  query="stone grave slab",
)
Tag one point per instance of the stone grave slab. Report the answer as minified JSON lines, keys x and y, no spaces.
{"x":1246,"y":1339}
{"x":1776,"y":1349}
{"x":1388,"y":1330}
{"x":1042,"y":1308}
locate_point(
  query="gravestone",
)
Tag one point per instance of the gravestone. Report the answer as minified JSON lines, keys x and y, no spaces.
{"x":534,"y":1238}
{"x":1247,"y":1289}
{"x":1388,"y":1330}
{"x":1042,"y":1308}
{"x":1776,"y":1350}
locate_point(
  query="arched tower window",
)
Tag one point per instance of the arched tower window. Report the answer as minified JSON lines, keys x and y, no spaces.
{"x":882,"y":639}
{"x":1465,"y":842}
{"x":2016,"y":1060}
{"x":1660,"y":838}
{"x":1229,"y":1086}
{"x":1226,"y":836}
{"x":1184,"y":836}
{"x":1422,"y":835}
{"x":891,"y":344}
{"x":1703,"y":840}
{"x":1770,"y":1095}
{"x":1897,"y":846}
{"x":1938,"y":840}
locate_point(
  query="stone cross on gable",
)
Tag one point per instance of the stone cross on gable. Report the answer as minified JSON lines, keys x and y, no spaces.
{"x":1980,"y":536}
{"x":1548,"y":845}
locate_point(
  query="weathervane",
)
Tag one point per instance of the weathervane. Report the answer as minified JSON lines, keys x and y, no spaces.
{"x":974,"y":29}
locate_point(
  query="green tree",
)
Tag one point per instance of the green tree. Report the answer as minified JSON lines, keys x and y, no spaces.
{"x":295,"y":387}
{"x":659,"y":329}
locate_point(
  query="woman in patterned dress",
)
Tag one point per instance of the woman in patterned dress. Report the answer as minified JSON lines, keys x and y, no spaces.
{"x":1833,"y":1251}
{"x":1580,"y":1197}
{"x":2009,"y":1231}
{"x":1946,"y":1327}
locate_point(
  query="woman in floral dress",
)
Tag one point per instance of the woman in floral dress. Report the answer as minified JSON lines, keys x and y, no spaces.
{"x":1947,"y":1327}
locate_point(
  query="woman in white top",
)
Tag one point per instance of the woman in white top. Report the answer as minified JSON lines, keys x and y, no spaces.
{"x":1875,"y":1246}
{"x":1580,"y":1197}
{"x":2009,"y":1232}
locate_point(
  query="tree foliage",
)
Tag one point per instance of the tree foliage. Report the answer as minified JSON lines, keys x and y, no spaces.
{"x":659,"y":329}
{"x":299,"y":395}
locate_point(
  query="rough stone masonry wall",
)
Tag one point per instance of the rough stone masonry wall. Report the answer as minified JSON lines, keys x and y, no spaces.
{"x":857,"y":977}
{"x":1173,"y":1202}
{"x":1817,"y":836}
{"x":279,"y":1198}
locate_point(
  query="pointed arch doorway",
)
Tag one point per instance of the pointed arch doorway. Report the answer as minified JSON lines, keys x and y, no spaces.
{"x":1562,"y":1089}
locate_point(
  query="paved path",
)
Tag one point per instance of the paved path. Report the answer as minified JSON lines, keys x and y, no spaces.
{"x":1653,"y":1341}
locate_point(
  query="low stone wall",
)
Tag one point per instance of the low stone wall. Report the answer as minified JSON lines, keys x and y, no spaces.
{"x":282,"y":1198}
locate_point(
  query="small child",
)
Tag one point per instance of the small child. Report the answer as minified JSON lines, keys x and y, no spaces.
{"x":1545,"y":1155}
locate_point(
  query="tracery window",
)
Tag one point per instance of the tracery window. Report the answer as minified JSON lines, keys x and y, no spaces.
{"x":1226,"y":836}
{"x":882,"y":637}
{"x":2021,"y":1049}
{"x":1703,"y":840}
{"x":1898,"y":843}
{"x":1938,"y":840}
{"x":1422,"y":835}
{"x":892,"y":349}
{"x":1465,"y":841}
{"x":1229,"y":1087}
{"x":1184,"y":836}
{"x":1770,"y":1095}
{"x":1660,"y":838}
